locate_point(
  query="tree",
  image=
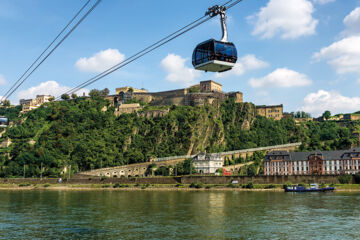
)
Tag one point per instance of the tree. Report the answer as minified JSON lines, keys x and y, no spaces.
{"x":326,"y":115}
{"x":73,"y":96}
{"x":65,"y":96}
{"x":251,"y":170}
{"x":105,"y":92}
{"x":6,"y":103}
{"x":51,"y":99}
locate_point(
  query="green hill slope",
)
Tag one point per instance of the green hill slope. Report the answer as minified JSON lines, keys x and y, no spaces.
{"x":86,"y":134}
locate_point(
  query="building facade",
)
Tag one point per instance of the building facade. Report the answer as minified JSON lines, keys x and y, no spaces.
{"x":210,"y":86}
{"x":207,"y":163}
{"x":30,"y":104}
{"x":271,"y":111}
{"x":312,"y":163}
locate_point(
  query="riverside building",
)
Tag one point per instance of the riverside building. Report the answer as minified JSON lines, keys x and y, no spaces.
{"x":207,"y":163}
{"x":312,"y":163}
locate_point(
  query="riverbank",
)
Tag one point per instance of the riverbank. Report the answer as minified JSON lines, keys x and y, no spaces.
{"x":164,"y":187}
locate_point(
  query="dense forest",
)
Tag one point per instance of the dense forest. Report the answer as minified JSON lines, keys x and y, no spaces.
{"x":85,"y":133}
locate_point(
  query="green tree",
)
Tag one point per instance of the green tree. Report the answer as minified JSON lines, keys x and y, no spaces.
{"x":327,"y":114}
{"x":74,"y":96}
{"x":65,"y":96}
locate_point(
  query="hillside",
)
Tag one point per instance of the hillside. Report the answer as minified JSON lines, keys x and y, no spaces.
{"x":86,"y":134}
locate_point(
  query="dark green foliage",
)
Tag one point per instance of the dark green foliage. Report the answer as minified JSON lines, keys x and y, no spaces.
{"x":250,"y":185}
{"x":345,"y":179}
{"x":326,"y":115}
{"x":357,"y":178}
{"x":81,"y":134}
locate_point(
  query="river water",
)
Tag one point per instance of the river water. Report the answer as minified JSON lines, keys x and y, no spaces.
{"x":178,"y":215}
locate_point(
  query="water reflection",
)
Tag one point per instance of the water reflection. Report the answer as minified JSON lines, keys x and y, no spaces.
{"x":177,"y":215}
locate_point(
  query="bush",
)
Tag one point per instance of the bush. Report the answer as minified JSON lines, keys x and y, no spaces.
{"x":178,"y":185}
{"x":196,"y":185}
{"x":357,"y":178}
{"x":231,"y":185}
{"x":302,"y":184}
{"x":106,"y":185}
{"x":143,"y":187}
{"x":24,"y":184}
{"x":250,"y":185}
{"x":345,"y":179}
{"x":137,"y":185}
{"x":47,"y":185}
{"x":208,"y":187}
{"x":102,"y":178}
{"x":270,"y":186}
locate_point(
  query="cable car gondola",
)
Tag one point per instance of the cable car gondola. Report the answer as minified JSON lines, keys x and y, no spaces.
{"x":213,"y":55}
{"x":4,"y":122}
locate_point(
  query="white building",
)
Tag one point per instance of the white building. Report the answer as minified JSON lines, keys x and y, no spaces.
{"x":207,"y":163}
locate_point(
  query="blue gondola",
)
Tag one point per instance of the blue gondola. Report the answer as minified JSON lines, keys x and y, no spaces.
{"x":4,"y":122}
{"x":213,"y":55}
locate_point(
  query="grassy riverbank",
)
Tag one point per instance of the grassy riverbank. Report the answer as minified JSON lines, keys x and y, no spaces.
{"x":165,"y":187}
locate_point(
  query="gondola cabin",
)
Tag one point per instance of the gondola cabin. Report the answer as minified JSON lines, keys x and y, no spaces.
{"x":4,"y":122}
{"x":214,"y":56}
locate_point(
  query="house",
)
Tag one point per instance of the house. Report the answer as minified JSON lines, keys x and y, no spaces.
{"x":207,"y":163}
{"x":312,"y":163}
{"x":270,"y":111}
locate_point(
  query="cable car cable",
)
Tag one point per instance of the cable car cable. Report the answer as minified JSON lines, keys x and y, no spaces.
{"x":56,"y":46}
{"x":37,"y":59}
{"x":143,"y":52}
{"x":135,"y":55}
{"x":127,"y":61}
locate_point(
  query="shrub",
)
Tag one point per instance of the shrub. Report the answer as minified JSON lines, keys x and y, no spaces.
{"x":270,"y":186}
{"x":357,"y":178}
{"x":250,"y":185}
{"x":47,"y":185}
{"x":143,"y":187}
{"x":231,"y":185}
{"x":147,"y":185}
{"x":196,"y":185}
{"x":106,"y":185}
{"x":208,"y":187}
{"x":178,"y":185}
{"x":302,"y":184}
{"x":102,"y":178}
{"x":24,"y":184}
{"x":345,"y":179}
{"x":137,"y":185}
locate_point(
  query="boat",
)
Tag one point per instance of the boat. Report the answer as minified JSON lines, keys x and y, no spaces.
{"x":314,"y":187}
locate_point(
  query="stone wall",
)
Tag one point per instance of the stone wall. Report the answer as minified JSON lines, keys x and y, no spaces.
{"x":260,"y":179}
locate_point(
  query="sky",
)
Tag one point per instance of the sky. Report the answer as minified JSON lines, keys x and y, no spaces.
{"x":304,"y":54}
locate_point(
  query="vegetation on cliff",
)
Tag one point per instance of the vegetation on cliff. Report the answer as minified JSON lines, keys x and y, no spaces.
{"x":85,"y":134}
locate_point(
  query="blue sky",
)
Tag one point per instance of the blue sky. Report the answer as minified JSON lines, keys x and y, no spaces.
{"x":304,"y":54}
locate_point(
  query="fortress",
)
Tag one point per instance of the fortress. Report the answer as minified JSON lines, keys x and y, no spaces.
{"x":207,"y":92}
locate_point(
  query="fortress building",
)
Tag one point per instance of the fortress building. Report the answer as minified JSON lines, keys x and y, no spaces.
{"x":207,"y":92}
{"x":30,"y":104}
{"x":271,"y":111}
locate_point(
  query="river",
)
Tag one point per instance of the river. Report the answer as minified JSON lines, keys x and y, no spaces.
{"x":55,"y":214}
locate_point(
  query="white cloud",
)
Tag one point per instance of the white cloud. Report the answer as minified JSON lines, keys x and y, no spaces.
{"x":288,"y":18}
{"x":100,"y":61}
{"x":282,"y":78}
{"x":318,"y":102}
{"x":321,"y":2}
{"x":246,"y":63}
{"x":352,"y":22}
{"x":50,"y":87}
{"x":2,"y":80}
{"x":177,"y":71}
{"x":343,"y":55}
